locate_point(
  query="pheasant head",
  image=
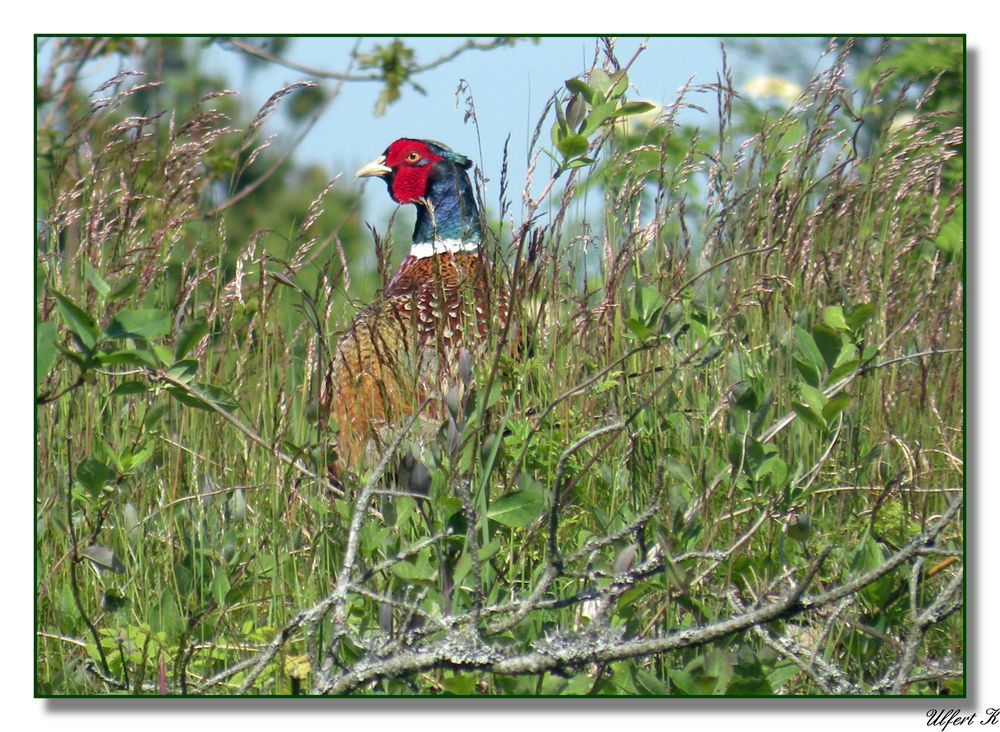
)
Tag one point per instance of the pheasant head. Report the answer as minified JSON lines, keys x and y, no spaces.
{"x":435,"y":180}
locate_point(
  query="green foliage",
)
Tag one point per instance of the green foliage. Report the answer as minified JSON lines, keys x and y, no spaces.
{"x":765,"y":345}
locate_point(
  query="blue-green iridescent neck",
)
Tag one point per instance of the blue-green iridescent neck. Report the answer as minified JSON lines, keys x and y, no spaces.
{"x":455,"y":214}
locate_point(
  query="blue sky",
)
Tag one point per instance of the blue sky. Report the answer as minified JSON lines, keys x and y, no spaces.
{"x":510,"y":87}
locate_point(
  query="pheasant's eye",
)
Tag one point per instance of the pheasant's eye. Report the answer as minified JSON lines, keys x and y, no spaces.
{"x":413,"y":157}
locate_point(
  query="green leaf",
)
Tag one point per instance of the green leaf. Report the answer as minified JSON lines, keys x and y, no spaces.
{"x":835,"y":406}
{"x":833,"y":316}
{"x":414,"y":570}
{"x":93,"y":474}
{"x":124,"y":287}
{"x":579,"y":86}
{"x":829,"y":343}
{"x":163,"y":354}
{"x":782,"y":674}
{"x":95,"y":280}
{"x":131,"y":461}
{"x":102,"y":557}
{"x":128,"y":357}
{"x":45,"y":350}
{"x":631,"y":108}
{"x":858,"y":316}
{"x":842,"y":369}
{"x":809,"y":416}
{"x":188,"y":336}
{"x":619,"y":85}
{"x":220,"y":585}
{"x":951,"y":238}
{"x":183,"y":371}
{"x":460,"y":685}
{"x":204,"y":396}
{"x":128,"y":387}
{"x":809,"y":371}
{"x":638,"y":329}
{"x":80,"y":324}
{"x":517,"y":509}
{"x":646,"y":683}
{"x":572,"y":145}
{"x":599,"y":114}
{"x":807,"y":349}
{"x":776,"y":468}
{"x":165,"y":617}
{"x":145,"y":324}
{"x":813,"y":398}
{"x":599,"y":81}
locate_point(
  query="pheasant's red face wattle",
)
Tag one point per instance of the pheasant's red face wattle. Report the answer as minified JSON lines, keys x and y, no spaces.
{"x":411,"y":162}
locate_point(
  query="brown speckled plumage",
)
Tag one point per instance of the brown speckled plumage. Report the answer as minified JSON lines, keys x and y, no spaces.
{"x":403,"y":348}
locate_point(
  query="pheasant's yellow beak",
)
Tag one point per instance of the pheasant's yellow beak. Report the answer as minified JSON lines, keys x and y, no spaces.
{"x":376,"y":168}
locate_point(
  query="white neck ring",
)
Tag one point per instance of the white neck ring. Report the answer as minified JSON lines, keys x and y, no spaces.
{"x":442,"y":246}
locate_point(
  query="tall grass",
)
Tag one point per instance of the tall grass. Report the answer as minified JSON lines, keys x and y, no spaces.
{"x":749,"y":357}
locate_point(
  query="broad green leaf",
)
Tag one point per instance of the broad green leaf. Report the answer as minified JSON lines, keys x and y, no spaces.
{"x":464,"y":685}
{"x":782,"y":674}
{"x":646,"y":683}
{"x":203,"y":396}
{"x":163,"y":354}
{"x":809,"y":416}
{"x":631,"y":108}
{"x":776,"y":468}
{"x":572,"y":145}
{"x":599,"y":81}
{"x":951,"y":238}
{"x":807,"y":349}
{"x":80,"y":324}
{"x":813,"y":398}
{"x":650,"y":302}
{"x":638,"y":329}
{"x":128,"y":357}
{"x":102,"y":557}
{"x":414,"y":570}
{"x":833,"y":316}
{"x":575,"y":111}
{"x":183,"y":371}
{"x":93,"y":474}
{"x":164,"y":616}
{"x":189,"y":335}
{"x":131,"y":461}
{"x":682,"y":681}
{"x":619,"y":85}
{"x":858,"y":316}
{"x":829,"y":343}
{"x":579,"y":86}
{"x":835,"y":406}
{"x":124,"y":287}
{"x":843,"y":369}
{"x":45,"y":350}
{"x":128,"y":387}
{"x":517,"y":509}
{"x":809,"y":371}
{"x":146,"y":324}
{"x":96,"y":281}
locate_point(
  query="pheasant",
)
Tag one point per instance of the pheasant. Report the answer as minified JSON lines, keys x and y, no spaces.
{"x":404,"y":347}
